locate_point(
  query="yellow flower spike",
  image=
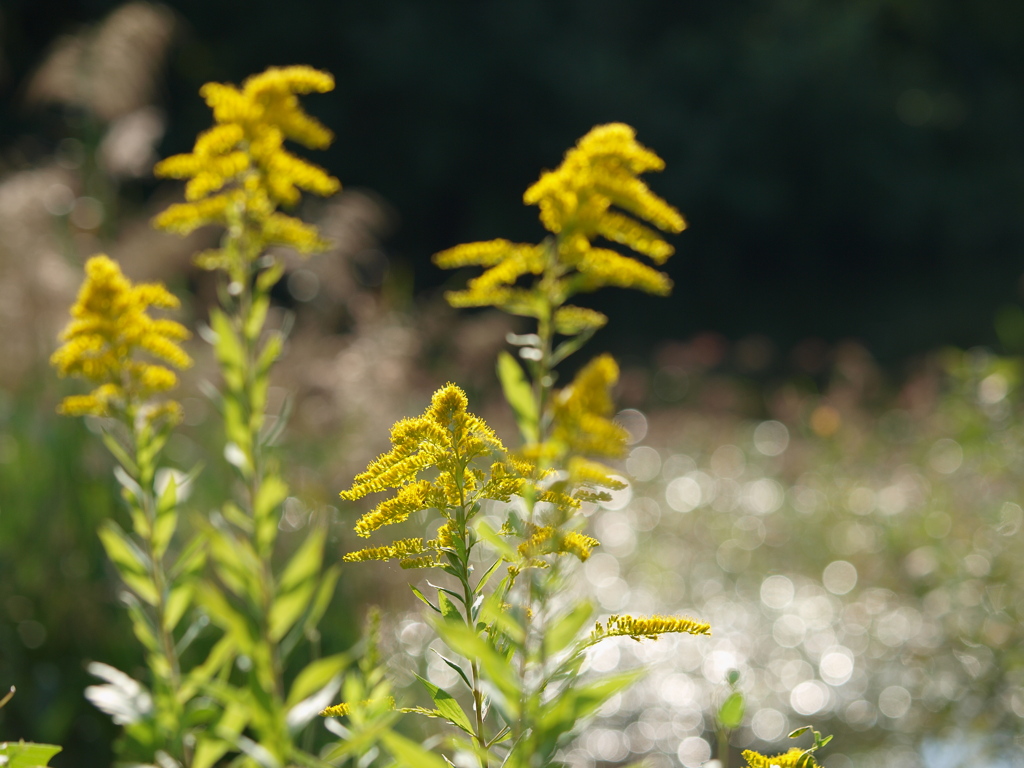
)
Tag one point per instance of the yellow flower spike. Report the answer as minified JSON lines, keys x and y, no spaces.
{"x":581,"y":424}
{"x":545,"y":540}
{"x":571,"y":320}
{"x":399,"y":549}
{"x":409,"y":499}
{"x":794,"y":758}
{"x":595,"y":193}
{"x":109,"y":329}
{"x":343,"y":709}
{"x":648,"y":627}
{"x":239,"y":170}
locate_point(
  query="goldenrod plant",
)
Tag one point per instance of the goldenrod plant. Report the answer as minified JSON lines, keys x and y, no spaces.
{"x":242,"y":702}
{"x":503,"y":522}
{"x":129,"y":358}
{"x":240,"y":177}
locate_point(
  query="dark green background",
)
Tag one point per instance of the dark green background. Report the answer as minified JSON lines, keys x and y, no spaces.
{"x":849,"y":169}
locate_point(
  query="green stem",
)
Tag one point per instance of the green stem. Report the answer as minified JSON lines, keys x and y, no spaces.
{"x":141,"y":439}
{"x":533,"y":647}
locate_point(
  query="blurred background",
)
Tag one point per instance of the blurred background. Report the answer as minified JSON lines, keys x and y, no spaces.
{"x":827,"y":459}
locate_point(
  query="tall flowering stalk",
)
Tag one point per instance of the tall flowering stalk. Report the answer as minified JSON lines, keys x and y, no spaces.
{"x":240,"y":176}
{"x":129,"y":358}
{"x":521,"y":647}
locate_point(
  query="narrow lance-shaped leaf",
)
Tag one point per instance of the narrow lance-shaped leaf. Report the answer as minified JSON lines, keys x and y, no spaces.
{"x":447,"y":706}
{"x":519,"y":395}
{"x":315,"y":676}
{"x":566,"y":627}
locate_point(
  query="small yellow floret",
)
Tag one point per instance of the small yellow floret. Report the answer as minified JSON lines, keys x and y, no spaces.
{"x":109,"y":330}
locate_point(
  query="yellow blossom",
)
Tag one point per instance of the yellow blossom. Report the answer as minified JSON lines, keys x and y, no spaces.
{"x":239,"y":172}
{"x":445,"y":441}
{"x":343,"y":709}
{"x":648,"y":627}
{"x":581,"y":427}
{"x":112,"y":342}
{"x":596,"y":193}
{"x":544,"y":540}
{"x":794,"y":758}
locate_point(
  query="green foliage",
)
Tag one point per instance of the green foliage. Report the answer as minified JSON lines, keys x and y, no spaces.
{"x":24,"y":755}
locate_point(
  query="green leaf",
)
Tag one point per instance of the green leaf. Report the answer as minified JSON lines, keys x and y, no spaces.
{"x":119,"y":453}
{"x":519,"y":395}
{"x":730,"y":714}
{"x":493,"y":613}
{"x":305,"y":563}
{"x":799,"y":731}
{"x":227,"y":345}
{"x":488,"y":573}
{"x":221,"y":656}
{"x":235,"y":562}
{"x":315,"y":676}
{"x":458,"y":670}
{"x":237,"y":625}
{"x":410,"y":754}
{"x":208,"y":751}
{"x":324,"y":595}
{"x":142,"y":625}
{"x":566,"y":628}
{"x":178,"y":602}
{"x":272,"y":431}
{"x":163,"y":530}
{"x":234,"y":515}
{"x":257,"y":316}
{"x":269,"y":354}
{"x":448,"y":706}
{"x":423,"y":597}
{"x":191,"y":561}
{"x":497,"y":541}
{"x":268,"y":278}
{"x":25,"y":754}
{"x":571,"y":345}
{"x":288,"y":608}
{"x":122,"y":551}
{"x":577,"y":703}
{"x":447,"y":607}
{"x":273,"y":491}
{"x":495,"y":666}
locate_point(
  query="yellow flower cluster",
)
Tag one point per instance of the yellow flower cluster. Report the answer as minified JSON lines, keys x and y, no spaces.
{"x":794,"y":758}
{"x":239,"y":171}
{"x":410,"y":553}
{"x":343,"y":709}
{"x":576,"y":204}
{"x":648,"y":627}
{"x":547,"y":540}
{"x":581,"y":426}
{"x":110,"y":328}
{"x":447,"y":439}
